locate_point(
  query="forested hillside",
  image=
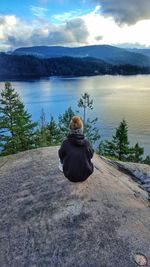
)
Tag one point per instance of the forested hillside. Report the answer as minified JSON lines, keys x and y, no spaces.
{"x":23,"y":66}
{"x":110,"y":54}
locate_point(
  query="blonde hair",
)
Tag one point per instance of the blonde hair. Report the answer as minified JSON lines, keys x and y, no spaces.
{"x":76,"y":123}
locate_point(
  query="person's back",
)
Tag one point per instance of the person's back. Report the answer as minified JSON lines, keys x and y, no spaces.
{"x":76,"y":153}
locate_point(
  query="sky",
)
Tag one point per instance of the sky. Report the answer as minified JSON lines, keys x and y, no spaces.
{"x":124,"y":23}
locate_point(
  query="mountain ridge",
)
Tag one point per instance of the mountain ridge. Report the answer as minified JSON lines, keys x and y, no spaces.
{"x":110,"y":54}
{"x":143,"y":51}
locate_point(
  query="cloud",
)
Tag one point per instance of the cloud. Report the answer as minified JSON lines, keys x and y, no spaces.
{"x":125,"y":11}
{"x":16,"y":33}
{"x":66,"y":16}
{"x":74,"y":32}
{"x":79,"y":29}
{"x":132,"y":45}
{"x":89,"y":28}
{"x":73,"y":14}
{"x":98,"y":38}
{"x":6,"y":24}
{"x":2,"y":20}
{"x":13,"y":32}
{"x":38,"y":11}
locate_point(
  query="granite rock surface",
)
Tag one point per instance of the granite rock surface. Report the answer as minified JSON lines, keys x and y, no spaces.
{"x":47,"y":221}
{"x":140,"y":172}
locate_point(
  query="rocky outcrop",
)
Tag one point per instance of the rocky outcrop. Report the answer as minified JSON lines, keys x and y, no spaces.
{"x":140,"y":172}
{"x":45,"y":220}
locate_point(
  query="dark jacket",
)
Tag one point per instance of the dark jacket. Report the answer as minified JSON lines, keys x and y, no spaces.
{"x":75,"y":154}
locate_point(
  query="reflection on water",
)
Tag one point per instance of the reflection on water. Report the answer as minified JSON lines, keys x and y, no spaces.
{"x":115,"y":98}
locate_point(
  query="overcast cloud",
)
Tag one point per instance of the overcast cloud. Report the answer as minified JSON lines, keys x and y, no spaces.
{"x":125,"y":11}
{"x":110,"y":22}
{"x":16,"y":33}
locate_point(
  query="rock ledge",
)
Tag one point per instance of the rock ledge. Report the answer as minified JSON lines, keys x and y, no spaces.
{"x":47,"y":221}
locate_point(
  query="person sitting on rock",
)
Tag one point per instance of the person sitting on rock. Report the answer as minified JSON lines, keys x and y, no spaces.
{"x":76,"y":152}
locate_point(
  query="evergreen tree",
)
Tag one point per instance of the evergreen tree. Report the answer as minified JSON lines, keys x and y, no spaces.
{"x":147,"y":160}
{"x":101,"y":148}
{"x":42,"y":133}
{"x":119,"y":146}
{"x":48,"y":134}
{"x":107,"y":148}
{"x":64,"y":121}
{"x":135,"y":153}
{"x":16,"y":128}
{"x":85,"y":102}
{"x":54,"y":137}
{"x":42,"y":121}
{"x":91,"y":131}
{"x":121,"y":140}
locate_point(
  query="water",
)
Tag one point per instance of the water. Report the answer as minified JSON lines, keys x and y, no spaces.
{"x":115,"y":98}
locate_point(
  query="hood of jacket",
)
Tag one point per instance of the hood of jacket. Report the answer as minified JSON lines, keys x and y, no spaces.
{"x":77,"y":139}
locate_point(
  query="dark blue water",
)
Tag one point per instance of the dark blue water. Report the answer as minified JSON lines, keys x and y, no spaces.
{"x":115,"y":98}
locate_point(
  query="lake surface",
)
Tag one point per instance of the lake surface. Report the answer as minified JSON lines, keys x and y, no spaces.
{"x":115,"y":98}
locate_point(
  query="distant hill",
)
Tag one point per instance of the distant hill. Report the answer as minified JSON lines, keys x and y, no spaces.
{"x":110,"y":54}
{"x":26,"y":66}
{"x":145,"y":52}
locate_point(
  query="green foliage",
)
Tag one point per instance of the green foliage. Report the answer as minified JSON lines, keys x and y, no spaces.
{"x":42,"y":121}
{"x":54,"y":132}
{"x":42,"y":133}
{"x":135,"y":153}
{"x":27,"y":66}
{"x":91,"y":131}
{"x":106,"y":148}
{"x":41,"y":139}
{"x":101,"y":148}
{"x":85,"y":102}
{"x":47,"y":134}
{"x":64,"y":121}
{"x":112,"y":157}
{"x":17,"y":131}
{"x":16,"y":128}
{"x":147,"y":160}
{"x":119,"y":148}
{"x":120,"y":140}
